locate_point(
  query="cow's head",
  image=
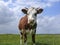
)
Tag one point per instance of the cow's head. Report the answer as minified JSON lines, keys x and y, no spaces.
{"x":32,"y":13}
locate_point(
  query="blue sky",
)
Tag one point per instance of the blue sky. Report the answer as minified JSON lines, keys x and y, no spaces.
{"x":48,"y":21}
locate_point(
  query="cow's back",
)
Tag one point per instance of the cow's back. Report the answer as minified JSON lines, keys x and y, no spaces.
{"x":23,"y":22}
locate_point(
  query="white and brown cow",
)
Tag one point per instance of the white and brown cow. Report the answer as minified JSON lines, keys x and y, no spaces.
{"x":28,"y":24}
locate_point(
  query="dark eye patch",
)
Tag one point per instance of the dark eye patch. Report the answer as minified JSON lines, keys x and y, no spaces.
{"x":35,"y":14}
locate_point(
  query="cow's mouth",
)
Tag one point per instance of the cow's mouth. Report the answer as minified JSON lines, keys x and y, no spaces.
{"x":32,"y":21}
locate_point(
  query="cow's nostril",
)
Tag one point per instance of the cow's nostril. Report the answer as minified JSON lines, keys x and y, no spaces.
{"x":31,"y":21}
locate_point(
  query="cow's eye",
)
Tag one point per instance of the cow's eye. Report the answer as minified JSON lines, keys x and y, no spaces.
{"x":35,"y":14}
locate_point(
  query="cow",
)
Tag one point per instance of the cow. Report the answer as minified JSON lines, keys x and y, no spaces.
{"x":28,"y":24}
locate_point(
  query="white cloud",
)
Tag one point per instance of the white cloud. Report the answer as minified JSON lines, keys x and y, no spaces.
{"x":33,"y":3}
{"x":27,"y":3}
{"x":9,"y":28}
{"x":8,"y":19}
{"x":53,"y":0}
{"x":49,"y":25}
{"x":6,"y":15}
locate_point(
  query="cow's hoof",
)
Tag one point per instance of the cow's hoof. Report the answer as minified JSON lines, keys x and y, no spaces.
{"x":25,"y":43}
{"x":34,"y":44}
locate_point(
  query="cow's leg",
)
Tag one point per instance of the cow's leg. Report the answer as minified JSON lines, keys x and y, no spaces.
{"x":25,"y":39}
{"x":33,"y":37}
{"x":21,"y":38}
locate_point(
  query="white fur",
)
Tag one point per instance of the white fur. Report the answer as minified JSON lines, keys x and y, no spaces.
{"x":31,"y":16}
{"x":21,"y":41}
{"x":32,"y":31}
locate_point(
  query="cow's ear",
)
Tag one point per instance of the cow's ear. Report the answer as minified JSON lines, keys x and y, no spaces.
{"x":24,"y":10}
{"x":39,"y":10}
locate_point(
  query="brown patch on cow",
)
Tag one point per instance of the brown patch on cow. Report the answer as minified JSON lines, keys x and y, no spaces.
{"x":23,"y":24}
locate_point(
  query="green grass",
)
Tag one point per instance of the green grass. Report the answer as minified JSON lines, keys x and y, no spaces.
{"x":42,"y":39}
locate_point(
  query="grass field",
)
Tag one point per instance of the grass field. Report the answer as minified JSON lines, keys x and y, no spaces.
{"x":42,"y":39}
